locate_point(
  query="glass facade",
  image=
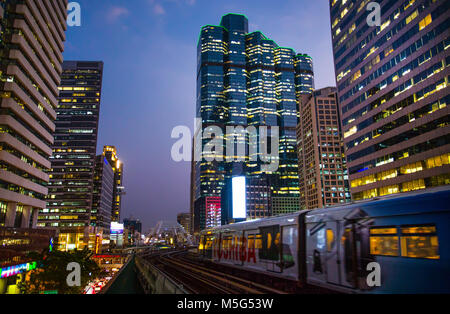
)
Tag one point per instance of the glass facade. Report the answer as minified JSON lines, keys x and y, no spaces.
{"x":246,"y":79}
{"x":393,"y":89}
{"x":102,"y":200}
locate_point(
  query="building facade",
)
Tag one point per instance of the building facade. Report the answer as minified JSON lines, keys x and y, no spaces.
{"x":102,"y":199}
{"x":132,"y":224}
{"x":245,"y":79}
{"x":322,"y":165}
{"x":110,"y":153}
{"x":32,"y":35}
{"x":74,"y":151}
{"x":392,"y":82}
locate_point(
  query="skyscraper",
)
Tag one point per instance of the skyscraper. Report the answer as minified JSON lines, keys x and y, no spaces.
{"x":31,"y":57}
{"x":102,"y":199}
{"x":393,"y":92}
{"x":110,"y":153}
{"x":246,"y":79}
{"x":322,"y":167}
{"x":71,"y":177}
{"x":31,"y":45}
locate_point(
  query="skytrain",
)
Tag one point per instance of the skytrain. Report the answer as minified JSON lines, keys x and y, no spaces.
{"x":393,"y":244}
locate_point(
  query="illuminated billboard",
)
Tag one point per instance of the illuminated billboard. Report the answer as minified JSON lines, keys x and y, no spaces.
{"x":239,"y":198}
{"x":116,"y":228}
{"x":17,"y":269}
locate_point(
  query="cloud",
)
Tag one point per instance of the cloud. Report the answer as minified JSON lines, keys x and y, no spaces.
{"x":158,"y":9}
{"x":116,"y":13}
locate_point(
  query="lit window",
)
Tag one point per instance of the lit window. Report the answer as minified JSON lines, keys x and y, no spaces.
{"x":330,"y":240}
{"x":420,"y":242}
{"x":425,"y":21}
{"x":384,"y":241}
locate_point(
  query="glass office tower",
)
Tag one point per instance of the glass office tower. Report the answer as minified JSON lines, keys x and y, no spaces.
{"x":246,"y":79}
{"x":69,"y":201}
{"x":393,"y":91}
{"x":102,"y":202}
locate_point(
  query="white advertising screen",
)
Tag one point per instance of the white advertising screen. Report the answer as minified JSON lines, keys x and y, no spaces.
{"x":116,"y":228}
{"x":239,"y":198}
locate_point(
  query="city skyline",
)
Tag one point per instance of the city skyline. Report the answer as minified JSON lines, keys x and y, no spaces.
{"x":172,"y":30}
{"x":264,"y":147}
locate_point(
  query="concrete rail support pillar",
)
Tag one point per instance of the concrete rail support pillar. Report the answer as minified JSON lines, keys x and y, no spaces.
{"x":10,"y":214}
{"x":35,"y":217}
{"x":27,"y":212}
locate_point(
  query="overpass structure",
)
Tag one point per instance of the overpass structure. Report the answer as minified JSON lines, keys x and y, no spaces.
{"x":172,"y":232}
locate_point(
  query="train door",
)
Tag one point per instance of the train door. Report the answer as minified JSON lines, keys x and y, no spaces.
{"x":217,"y":247}
{"x":332,"y":258}
{"x":289,"y":249}
{"x":315,"y":252}
{"x":201,"y":245}
{"x":270,"y":253}
{"x":348,"y":256}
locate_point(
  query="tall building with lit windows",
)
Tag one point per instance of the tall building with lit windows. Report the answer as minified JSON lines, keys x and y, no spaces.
{"x":393,"y":91}
{"x":246,"y":79}
{"x":70,"y":196}
{"x":102,"y":199}
{"x":31,"y":45}
{"x":110,"y":153}
{"x":321,"y":161}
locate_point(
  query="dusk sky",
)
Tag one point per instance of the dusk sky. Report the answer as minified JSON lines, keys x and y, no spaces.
{"x":149,"y":50}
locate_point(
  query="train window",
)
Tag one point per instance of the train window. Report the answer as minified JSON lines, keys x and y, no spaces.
{"x":289,"y":235}
{"x":251,"y":241}
{"x":383,"y":231}
{"x":330,"y":239}
{"x":208,"y":244}
{"x":200,"y":244}
{"x":420,"y":242}
{"x":271,"y":238}
{"x":419,"y":229}
{"x":258,"y":241}
{"x":384,"y":241}
{"x":226,"y":242}
{"x":237,"y":241}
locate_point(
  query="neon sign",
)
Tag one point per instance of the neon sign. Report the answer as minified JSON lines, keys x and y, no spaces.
{"x":17,"y":269}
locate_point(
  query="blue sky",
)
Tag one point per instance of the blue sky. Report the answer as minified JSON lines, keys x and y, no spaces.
{"x":149,"y":51}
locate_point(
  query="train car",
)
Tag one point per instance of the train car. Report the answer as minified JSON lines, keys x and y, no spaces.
{"x":403,"y":238}
{"x":268,"y":245}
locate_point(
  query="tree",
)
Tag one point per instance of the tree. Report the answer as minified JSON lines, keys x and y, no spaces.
{"x":51,"y":272}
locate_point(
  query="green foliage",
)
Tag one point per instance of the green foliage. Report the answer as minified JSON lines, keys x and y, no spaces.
{"x":52,"y":272}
